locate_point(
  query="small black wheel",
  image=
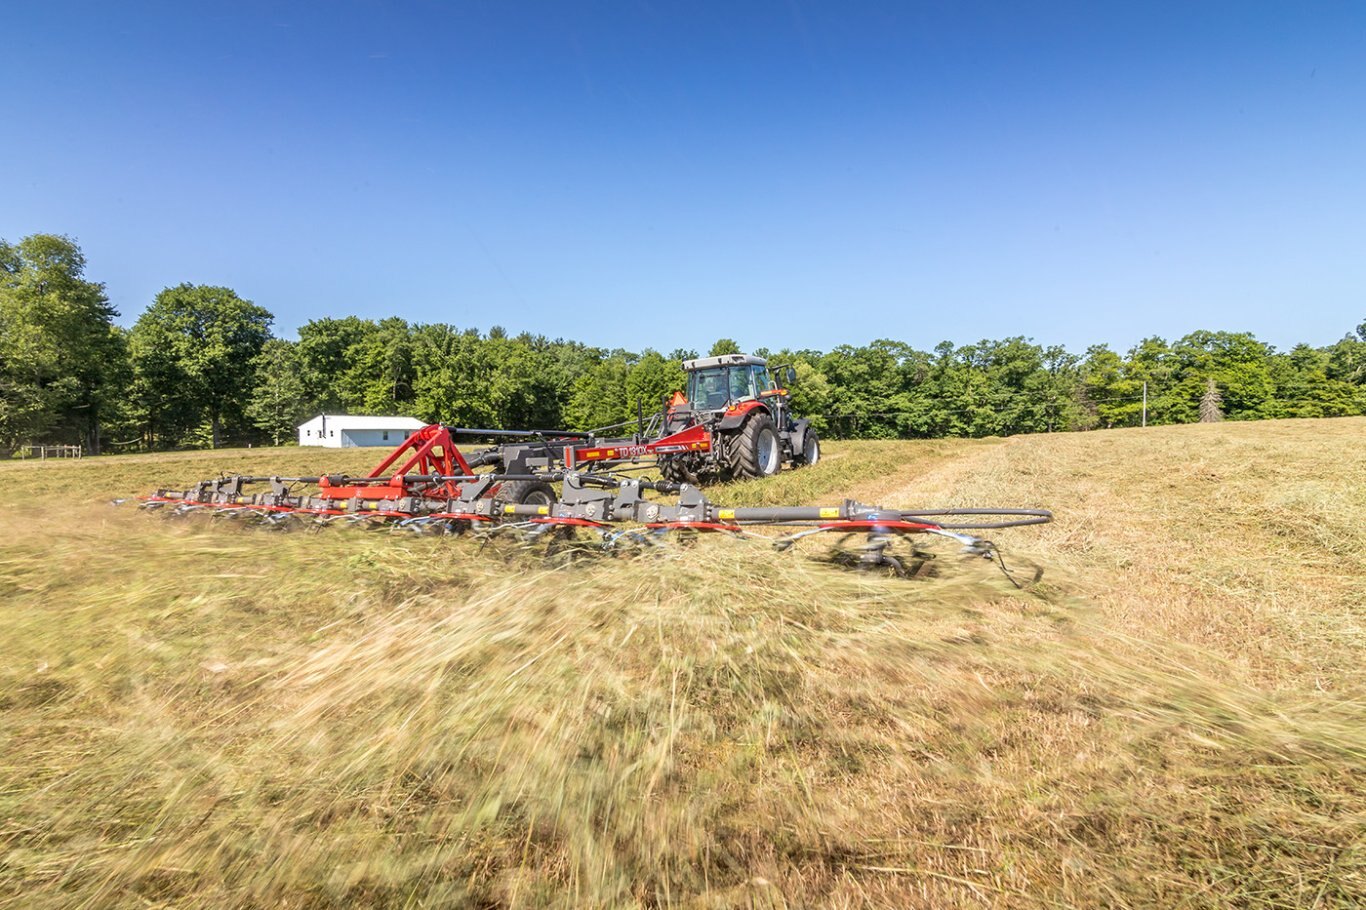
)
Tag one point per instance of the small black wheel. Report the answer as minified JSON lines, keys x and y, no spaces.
{"x":526,"y":493}
{"x":756,"y":452}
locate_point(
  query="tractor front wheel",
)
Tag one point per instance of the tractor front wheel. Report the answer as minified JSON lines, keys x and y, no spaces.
{"x":755,"y":451}
{"x":811,"y":449}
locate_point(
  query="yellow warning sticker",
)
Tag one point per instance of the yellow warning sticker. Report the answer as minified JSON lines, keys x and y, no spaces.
{"x":509,"y":510}
{"x":830,"y":513}
{"x":543,"y":510}
{"x":726,"y":514}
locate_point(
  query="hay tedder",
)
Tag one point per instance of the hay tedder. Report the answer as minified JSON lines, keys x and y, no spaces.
{"x":566,"y":486}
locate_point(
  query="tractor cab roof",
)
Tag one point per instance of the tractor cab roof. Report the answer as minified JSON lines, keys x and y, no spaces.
{"x":725,"y":360}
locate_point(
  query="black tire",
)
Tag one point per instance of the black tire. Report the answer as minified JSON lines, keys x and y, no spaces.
{"x":811,"y":449}
{"x":756,"y":451}
{"x":675,"y":469}
{"x":526,"y":493}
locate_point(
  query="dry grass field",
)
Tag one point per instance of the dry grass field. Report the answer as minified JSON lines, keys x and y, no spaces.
{"x":194,"y":715}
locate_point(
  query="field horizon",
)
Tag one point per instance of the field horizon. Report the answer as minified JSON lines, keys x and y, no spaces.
{"x":197,"y":715}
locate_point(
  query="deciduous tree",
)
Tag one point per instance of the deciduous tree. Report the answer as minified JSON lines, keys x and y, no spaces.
{"x":62,"y":360}
{"x":194,"y":351}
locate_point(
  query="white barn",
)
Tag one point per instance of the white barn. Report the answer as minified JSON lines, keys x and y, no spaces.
{"x":346,"y":430}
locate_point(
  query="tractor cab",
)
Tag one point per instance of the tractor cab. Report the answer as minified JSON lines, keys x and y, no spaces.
{"x":721,"y":383}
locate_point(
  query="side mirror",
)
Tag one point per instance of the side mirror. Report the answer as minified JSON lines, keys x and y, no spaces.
{"x":790,"y":375}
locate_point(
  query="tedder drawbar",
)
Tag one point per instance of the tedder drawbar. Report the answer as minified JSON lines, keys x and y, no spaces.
{"x":426,"y":485}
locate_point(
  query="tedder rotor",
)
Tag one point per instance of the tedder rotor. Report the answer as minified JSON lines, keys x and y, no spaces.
{"x":427,"y":485}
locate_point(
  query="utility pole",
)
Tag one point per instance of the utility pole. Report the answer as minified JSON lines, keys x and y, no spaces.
{"x":1145,"y":402}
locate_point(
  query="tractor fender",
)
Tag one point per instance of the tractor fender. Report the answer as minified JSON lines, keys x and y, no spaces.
{"x":737,"y":415}
{"x":796,"y":434}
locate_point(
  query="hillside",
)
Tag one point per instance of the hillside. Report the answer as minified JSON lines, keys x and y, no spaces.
{"x":199,"y":715}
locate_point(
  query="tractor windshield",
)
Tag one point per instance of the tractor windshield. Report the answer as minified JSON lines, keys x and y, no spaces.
{"x":714,"y":387}
{"x":708,"y":389}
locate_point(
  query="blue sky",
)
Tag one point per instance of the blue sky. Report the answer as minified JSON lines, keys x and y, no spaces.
{"x":650,"y":174}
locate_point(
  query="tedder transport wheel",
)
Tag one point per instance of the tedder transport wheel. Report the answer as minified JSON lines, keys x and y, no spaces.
{"x":755,"y":451}
{"x":811,"y":449}
{"x":526,"y":492}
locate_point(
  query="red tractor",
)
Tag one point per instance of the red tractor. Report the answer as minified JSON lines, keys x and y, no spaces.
{"x":748,"y":417}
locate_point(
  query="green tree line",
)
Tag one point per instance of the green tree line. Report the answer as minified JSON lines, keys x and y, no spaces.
{"x":201,"y":367}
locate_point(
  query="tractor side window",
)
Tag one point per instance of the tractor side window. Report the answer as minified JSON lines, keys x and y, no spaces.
{"x":741,"y":384}
{"x":762,"y":381}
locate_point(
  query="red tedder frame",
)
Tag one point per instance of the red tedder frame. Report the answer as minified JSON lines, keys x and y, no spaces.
{"x":693,"y":439}
{"x":429,"y":450}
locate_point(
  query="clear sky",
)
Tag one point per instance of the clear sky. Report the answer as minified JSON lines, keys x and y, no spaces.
{"x":660,"y":174}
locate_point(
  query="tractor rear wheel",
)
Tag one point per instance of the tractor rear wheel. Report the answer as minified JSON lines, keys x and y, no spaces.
{"x":755,"y":451}
{"x":527,"y":493}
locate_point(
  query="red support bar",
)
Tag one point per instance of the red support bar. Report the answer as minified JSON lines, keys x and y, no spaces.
{"x":901,"y":527}
{"x":432,"y":452}
{"x":694,"y":526}
{"x":569,"y":522}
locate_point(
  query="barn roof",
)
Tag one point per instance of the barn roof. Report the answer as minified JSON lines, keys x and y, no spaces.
{"x":365,"y":422}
